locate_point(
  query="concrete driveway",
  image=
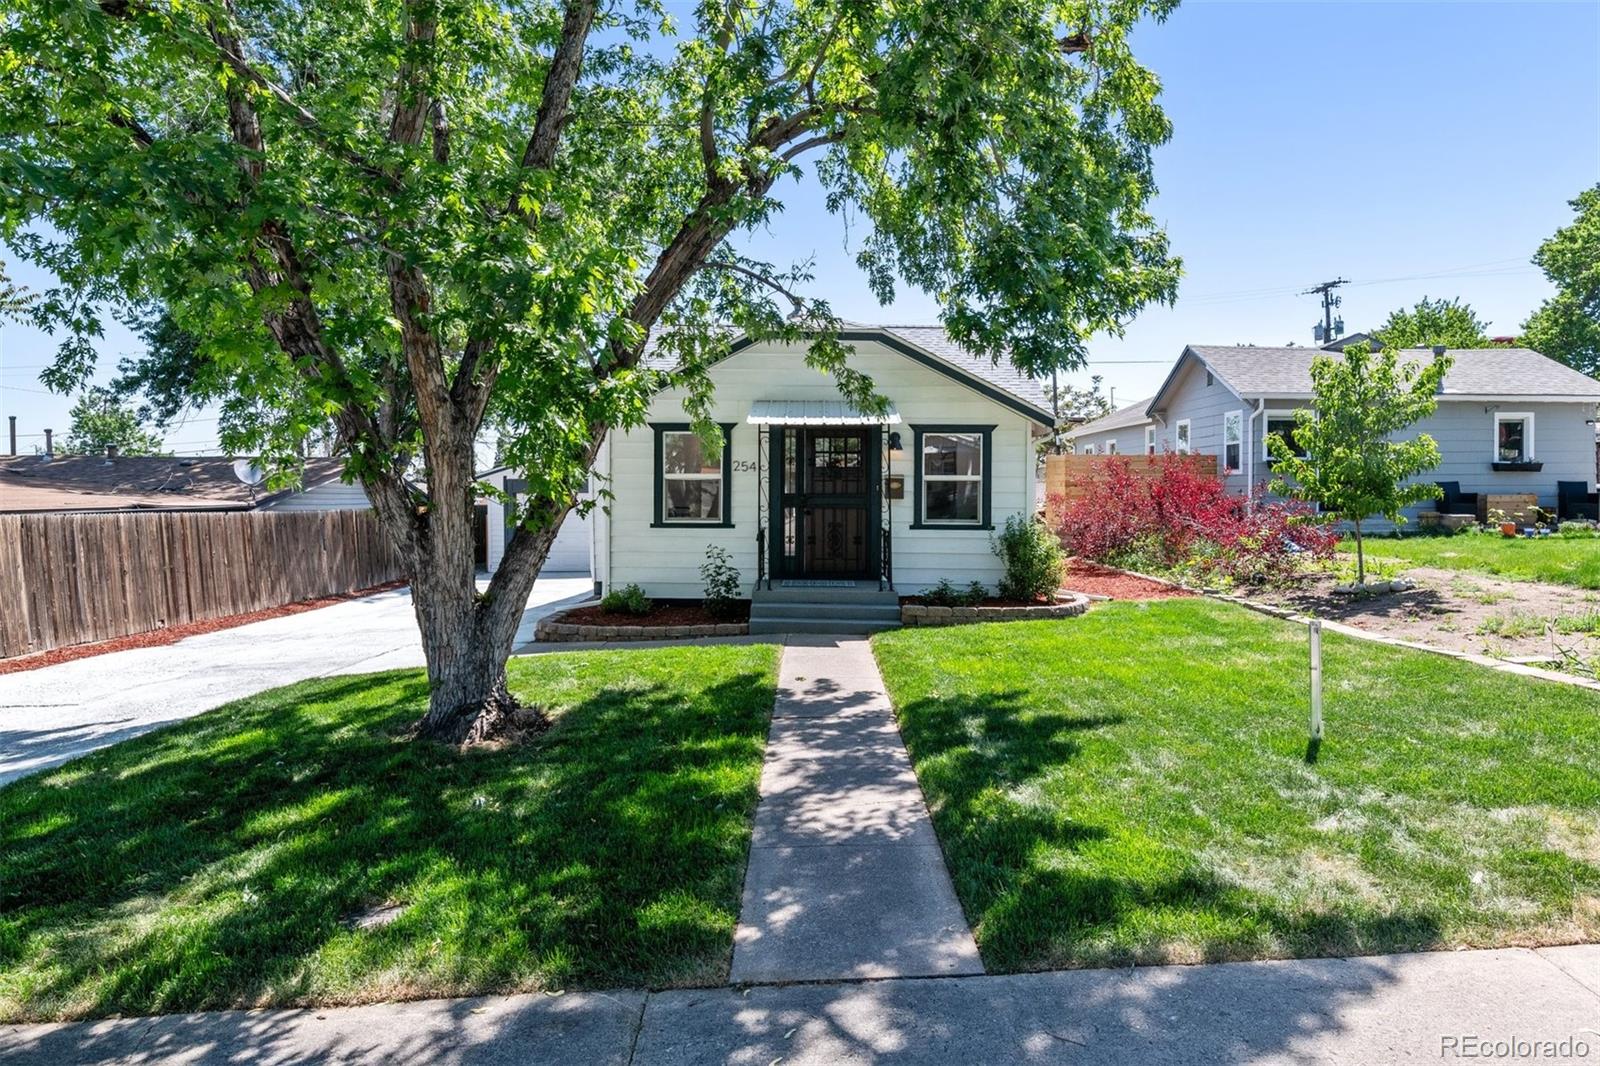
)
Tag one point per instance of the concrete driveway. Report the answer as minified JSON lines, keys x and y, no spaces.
{"x":56,"y":713}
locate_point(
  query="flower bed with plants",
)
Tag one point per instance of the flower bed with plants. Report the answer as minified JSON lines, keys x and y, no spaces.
{"x":1187,"y":526}
{"x":628,"y":614}
{"x":1030,"y":587}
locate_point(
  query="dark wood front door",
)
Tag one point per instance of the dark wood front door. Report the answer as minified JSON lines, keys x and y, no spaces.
{"x":827,"y":497}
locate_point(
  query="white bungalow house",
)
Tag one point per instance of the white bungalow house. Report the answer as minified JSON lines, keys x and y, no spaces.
{"x":1509,"y":420}
{"x":828,"y":513}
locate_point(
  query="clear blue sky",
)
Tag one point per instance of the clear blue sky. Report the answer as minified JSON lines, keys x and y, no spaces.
{"x":1418,"y":149}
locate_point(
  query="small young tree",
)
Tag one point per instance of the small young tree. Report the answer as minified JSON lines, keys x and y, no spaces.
{"x":1354,"y":464}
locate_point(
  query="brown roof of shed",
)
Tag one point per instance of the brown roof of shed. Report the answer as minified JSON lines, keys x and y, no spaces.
{"x":96,"y":483}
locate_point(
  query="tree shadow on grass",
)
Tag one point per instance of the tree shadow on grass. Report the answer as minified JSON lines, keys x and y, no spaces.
{"x":222,"y":862}
{"x":1044,"y":889}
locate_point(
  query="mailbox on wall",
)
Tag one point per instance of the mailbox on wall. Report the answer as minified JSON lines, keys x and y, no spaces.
{"x":894,"y":486}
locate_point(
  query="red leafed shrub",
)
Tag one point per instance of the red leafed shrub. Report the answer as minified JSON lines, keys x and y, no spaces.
{"x":1185,"y":521}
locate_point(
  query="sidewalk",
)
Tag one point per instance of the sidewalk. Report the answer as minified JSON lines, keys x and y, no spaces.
{"x":846,"y":878}
{"x":1359,"y":1011}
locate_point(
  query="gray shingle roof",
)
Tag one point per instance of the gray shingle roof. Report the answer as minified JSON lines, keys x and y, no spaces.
{"x":1131,"y":415}
{"x":934,"y":341}
{"x":1508,"y":372}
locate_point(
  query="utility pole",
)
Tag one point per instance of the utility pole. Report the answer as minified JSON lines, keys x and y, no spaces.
{"x":1329,"y":302}
{"x":13,"y":419}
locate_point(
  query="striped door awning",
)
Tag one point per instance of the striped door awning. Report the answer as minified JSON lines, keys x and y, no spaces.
{"x":817,"y":413}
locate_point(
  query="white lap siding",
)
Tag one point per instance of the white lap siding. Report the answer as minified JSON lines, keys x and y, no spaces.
{"x":666,"y":560}
{"x":1204,"y":406}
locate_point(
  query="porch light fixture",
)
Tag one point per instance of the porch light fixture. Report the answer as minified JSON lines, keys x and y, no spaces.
{"x":894,"y":442}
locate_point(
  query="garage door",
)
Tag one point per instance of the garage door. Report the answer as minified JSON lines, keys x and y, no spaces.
{"x":570,"y":553}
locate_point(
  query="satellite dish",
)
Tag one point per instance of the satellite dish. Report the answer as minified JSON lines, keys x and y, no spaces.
{"x":247,"y":472}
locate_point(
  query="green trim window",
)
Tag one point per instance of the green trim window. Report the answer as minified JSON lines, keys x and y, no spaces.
{"x":692,"y":489}
{"x":952,"y":477}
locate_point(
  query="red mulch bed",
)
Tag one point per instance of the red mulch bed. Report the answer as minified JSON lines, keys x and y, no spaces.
{"x":1098,"y":580}
{"x":662,"y":613}
{"x":172,"y":634}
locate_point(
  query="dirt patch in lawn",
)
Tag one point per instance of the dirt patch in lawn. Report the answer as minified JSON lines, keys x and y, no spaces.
{"x":1463,"y":612}
{"x":1097,"y":580}
{"x":172,"y":634}
{"x":662,"y":613}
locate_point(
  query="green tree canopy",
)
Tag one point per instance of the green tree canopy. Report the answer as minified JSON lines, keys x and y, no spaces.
{"x":1353,"y":463}
{"x":416,"y":217}
{"x":1451,"y":323}
{"x":1567,"y":326}
{"x":101,"y":420}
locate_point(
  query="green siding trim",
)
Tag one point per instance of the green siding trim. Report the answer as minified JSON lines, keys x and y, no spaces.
{"x":656,"y":521}
{"x":917,"y":432}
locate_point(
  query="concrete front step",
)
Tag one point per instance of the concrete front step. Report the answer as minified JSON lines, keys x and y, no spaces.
{"x":824,"y":624}
{"x":870,"y":612}
{"x":859,"y":592}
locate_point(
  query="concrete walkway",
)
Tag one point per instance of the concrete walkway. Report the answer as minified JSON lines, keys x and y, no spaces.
{"x":1447,"y":1006}
{"x":56,"y":713}
{"x":846,"y":879}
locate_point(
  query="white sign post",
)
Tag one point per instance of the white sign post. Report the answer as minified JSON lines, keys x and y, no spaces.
{"x":1316,"y":681}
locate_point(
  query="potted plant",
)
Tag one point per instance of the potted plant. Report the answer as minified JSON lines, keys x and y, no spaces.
{"x":1508,"y":528}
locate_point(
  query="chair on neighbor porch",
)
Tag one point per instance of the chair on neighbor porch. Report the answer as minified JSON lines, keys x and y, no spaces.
{"x":1454,"y":501}
{"x":1574,"y":500}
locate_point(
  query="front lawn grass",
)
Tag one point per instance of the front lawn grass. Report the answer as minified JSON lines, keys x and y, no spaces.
{"x":1555,"y":560}
{"x":226,"y":861}
{"x":1132,"y":786}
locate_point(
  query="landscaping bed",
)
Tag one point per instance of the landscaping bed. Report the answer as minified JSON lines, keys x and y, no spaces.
{"x":915,"y":611}
{"x":1096,"y":579}
{"x":1557,"y":626}
{"x":296,"y":849}
{"x":665,"y":620}
{"x":1137,"y":790}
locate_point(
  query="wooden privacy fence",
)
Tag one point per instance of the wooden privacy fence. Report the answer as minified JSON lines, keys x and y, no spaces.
{"x":1067,"y":477}
{"x":73,"y":578}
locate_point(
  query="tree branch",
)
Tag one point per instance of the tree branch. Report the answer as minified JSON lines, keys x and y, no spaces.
{"x":756,"y":276}
{"x":558,"y":85}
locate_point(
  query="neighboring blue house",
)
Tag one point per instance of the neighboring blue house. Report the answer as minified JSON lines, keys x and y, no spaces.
{"x":1509,"y":419}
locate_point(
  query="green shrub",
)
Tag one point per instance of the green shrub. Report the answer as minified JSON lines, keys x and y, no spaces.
{"x":1033,"y":560}
{"x":722,"y":582}
{"x":629,"y":599}
{"x":945,"y":594}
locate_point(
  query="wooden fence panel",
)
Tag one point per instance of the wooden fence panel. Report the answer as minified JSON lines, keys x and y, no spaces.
{"x":73,"y":578}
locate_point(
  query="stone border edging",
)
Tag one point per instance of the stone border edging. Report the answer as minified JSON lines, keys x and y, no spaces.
{"x":552,"y":630}
{"x":920,"y":614}
{"x":1490,"y":661}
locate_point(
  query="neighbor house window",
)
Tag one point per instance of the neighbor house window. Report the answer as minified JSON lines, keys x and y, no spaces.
{"x":1283,"y":424}
{"x":1513,"y":437}
{"x":1111,"y":447}
{"x":1180,"y":435}
{"x":1233,"y":442}
{"x":692,"y":486}
{"x":1088,"y":449}
{"x":952,"y":476}
{"x":1150,"y":440}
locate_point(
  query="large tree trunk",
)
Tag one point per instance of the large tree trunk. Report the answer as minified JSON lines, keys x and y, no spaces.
{"x":467,"y":638}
